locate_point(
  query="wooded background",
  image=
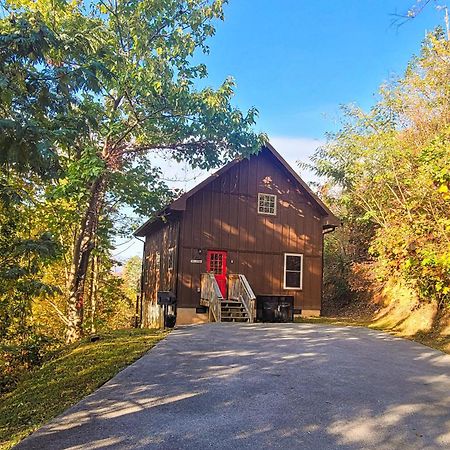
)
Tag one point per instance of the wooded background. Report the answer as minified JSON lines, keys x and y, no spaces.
{"x":91,"y":91}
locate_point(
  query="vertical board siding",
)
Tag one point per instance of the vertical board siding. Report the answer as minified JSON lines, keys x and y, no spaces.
{"x":223,"y":216}
{"x":158,"y":277}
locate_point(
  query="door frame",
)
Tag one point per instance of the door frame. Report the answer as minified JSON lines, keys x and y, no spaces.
{"x":222,"y":277}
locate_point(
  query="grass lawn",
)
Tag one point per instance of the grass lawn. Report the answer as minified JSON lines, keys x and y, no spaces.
{"x":431,"y":339}
{"x":74,"y":373}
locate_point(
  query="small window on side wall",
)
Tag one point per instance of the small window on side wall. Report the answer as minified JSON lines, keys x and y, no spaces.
{"x":267,"y":204}
{"x":293,"y":271}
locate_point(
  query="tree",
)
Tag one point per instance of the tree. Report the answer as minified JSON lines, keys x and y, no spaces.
{"x":36,"y":98}
{"x":42,"y":74}
{"x":389,"y":169}
{"x":131,"y":276}
{"x":417,"y":8}
{"x":139,"y":98}
{"x":23,"y":257}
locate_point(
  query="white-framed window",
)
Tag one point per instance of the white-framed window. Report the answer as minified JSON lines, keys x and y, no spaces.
{"x":170,"y":258}
{"x":293,"y":271}
{"x":267,"y":204}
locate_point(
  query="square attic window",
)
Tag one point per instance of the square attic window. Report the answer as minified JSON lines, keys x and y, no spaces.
{"x":267,"y":204}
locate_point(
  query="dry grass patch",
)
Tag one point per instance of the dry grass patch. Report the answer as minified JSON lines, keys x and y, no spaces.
{"x":437,"y":336}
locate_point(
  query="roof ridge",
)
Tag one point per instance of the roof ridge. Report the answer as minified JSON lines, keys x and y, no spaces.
{"x":179,"y":204}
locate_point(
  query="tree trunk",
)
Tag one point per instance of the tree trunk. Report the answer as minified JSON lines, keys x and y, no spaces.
{"x":84,"y":244}
{"x":94,"y":290}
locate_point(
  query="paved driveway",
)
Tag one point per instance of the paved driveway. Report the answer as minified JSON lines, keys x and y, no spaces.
{"x":286,"y":386}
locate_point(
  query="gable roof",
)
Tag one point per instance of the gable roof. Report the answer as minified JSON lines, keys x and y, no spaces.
{"x":330,"y":220}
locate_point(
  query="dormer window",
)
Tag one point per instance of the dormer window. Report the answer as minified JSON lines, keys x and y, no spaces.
{"x":267,"y":204}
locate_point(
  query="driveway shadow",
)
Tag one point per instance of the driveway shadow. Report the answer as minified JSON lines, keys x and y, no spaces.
{"x":283,"y":386}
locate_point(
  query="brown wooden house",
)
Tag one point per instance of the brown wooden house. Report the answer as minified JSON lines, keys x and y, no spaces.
{"x":246,"y":244}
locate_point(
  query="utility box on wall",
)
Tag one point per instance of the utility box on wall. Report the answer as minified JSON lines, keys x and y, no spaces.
{"x":166,"y":298}
{"x":274,"y":308}
{"x":168,"y":301}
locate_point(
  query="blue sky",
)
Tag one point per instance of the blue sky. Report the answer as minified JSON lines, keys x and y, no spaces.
{"x":298,"y":60}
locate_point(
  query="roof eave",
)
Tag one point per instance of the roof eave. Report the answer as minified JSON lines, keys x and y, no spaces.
{"x":142,"y":231}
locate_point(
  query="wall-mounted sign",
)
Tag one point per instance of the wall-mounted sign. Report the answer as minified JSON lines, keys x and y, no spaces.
{"x":196,"y":261}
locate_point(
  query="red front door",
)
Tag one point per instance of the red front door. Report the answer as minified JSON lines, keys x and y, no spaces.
{"x":216,"y":262}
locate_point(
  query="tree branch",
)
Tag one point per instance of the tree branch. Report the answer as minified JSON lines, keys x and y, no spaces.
{"x":60,"y":314}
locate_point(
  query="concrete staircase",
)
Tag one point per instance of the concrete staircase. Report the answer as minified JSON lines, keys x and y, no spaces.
{"x":233,"y":311}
